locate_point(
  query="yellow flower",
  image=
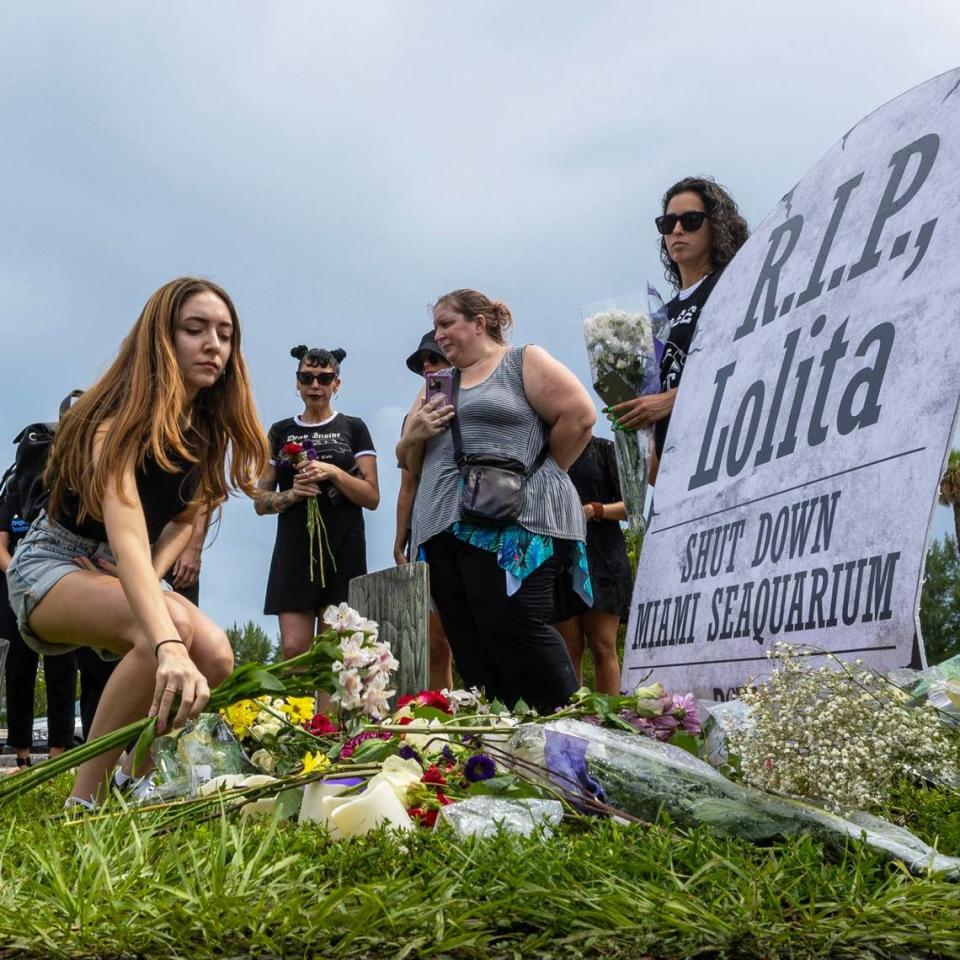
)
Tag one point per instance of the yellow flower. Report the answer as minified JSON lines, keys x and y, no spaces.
{"x":315,"y":761}
{"x":298,"y":710}
{"x":241,"y":716}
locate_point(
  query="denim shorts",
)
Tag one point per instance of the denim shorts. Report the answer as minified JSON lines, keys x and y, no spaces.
{"x":42,"y":559}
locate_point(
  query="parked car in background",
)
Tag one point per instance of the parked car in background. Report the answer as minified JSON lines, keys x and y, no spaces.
{"x":41,"y":733}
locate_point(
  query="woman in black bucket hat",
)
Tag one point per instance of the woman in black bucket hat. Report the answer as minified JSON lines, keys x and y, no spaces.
{"x":427,"y":358}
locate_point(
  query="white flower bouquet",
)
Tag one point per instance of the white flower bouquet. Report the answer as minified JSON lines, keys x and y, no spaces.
{"x":624,"y":347}
{"x":362,"y":678}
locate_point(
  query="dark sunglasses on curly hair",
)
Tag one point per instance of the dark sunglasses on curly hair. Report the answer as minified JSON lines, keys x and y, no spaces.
{"x":305,"y":378}
{"x":691,"y":221}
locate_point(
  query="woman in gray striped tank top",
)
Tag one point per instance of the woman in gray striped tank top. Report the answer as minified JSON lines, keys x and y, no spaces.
{"x":494,"y":587}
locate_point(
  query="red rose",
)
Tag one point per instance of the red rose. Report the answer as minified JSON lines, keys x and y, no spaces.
{"x":426,"y":818}
{"x":435,"y":699}
{"x":426,"y":698}
{"x":291,"y":449}
{"x":443,"y":799}
{"x":433,"y":775}
{"x":320,"y":726}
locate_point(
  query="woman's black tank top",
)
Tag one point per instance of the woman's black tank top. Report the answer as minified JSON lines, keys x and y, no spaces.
{"x":163,"y":496}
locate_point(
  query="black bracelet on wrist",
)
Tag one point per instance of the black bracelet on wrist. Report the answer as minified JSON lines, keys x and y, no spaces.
{"x":162,"y":642}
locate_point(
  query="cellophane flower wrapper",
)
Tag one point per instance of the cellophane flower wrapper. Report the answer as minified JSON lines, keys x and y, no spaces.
{"x":187,"y":758}
{"x":643,"y":777}
{"x":486,"y":816}
{"x":623,"y":337}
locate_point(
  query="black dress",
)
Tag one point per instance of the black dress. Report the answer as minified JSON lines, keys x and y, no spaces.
{"x":595,"y":476}
{"x":339,"y":440}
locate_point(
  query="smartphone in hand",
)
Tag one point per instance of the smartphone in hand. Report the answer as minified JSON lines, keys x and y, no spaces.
{"x":613,"y":389}
{"x":440,"y":382}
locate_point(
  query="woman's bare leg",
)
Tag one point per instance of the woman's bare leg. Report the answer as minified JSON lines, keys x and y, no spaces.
{"x":601,"y":630}
{"x":441,"y":657}
{"x":572,"y":632}
{"x":91,"y":609}
{"x":297,"y":630}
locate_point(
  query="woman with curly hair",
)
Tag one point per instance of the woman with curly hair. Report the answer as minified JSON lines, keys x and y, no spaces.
{"x":134,"y":459}
{"x":700,"y":231}
{"x":333,"y":461}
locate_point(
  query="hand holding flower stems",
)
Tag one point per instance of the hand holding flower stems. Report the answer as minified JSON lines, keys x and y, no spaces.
{"x":641,"y":411}
{"x":299,"y":676}
{"x":308,"y":474}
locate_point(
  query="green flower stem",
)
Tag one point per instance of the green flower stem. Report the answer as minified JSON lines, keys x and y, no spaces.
{"x":247,"y":682}
{"x":22,"y":783}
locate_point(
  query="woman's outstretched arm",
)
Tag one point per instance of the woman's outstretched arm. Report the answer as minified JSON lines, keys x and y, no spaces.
{"x":127,"y":532}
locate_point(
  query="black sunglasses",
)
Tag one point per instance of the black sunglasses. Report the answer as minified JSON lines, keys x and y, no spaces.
{"x":305,"y":378}
{"x":691,"y":221}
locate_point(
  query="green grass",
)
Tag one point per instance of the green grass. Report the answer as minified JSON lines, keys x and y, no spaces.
{"x":122,"y":888}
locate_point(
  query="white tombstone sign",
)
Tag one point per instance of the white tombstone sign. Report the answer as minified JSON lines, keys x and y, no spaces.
{"x":814,"y":417}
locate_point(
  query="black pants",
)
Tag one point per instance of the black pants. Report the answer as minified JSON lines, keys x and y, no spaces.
{"x":60,"y":672}
{"x":94,"y":674}
{"x":504,"y":645}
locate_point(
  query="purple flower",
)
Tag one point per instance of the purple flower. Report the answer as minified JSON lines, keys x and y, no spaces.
{"x":313,"y":455}
{"x":406,"y":752}
{"x":685,"y":710}
{"x":308,"y":445}
{"x":664,"y":726}
{"x":479,"y":767}
{"x":447,"y":754}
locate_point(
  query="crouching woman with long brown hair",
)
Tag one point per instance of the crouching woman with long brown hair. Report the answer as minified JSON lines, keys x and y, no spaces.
{"x":133,"y":460}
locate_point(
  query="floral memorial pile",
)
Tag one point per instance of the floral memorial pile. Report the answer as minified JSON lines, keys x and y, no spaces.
{"x":807,"y":750}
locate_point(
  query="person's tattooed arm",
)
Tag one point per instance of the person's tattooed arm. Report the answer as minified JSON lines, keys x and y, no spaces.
{"x":268,"y":499}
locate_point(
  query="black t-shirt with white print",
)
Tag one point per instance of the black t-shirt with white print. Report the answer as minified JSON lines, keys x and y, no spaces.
{"x":338,"y":440}
{"x":683,"y":312}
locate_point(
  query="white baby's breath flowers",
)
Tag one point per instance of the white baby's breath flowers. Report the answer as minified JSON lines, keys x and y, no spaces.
{"x":843,"y":736}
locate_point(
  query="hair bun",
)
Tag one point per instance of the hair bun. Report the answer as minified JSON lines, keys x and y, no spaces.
{"x":299,"y":352}
{"x":339,"y":354}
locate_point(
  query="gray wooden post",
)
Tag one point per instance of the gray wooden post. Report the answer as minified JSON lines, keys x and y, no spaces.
{"x":399,"y":600}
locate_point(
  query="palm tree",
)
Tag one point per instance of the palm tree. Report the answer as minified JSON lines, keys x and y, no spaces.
{"x":950,"y":490}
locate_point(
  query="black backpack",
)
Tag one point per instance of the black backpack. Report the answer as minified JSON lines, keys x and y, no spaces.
{"x":22,"y":485}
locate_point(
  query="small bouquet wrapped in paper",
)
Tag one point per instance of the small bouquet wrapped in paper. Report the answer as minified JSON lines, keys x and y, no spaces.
{"x":624,"y":347}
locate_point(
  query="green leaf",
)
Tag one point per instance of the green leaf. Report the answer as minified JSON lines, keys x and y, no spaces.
{"x":430,"y":713}
{"x":504,"y":785}
{"x":144,"y":742}
{"x":373,"y":751}
{"x":267,"y":681}
{"x":288,"y":804}
{"x":686,"y":741}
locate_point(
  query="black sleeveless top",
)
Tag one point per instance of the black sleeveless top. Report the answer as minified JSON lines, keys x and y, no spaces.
{"x":163,"y":496}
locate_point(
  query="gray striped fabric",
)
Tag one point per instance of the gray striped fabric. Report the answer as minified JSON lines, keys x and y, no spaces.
{"x":495,"y":417}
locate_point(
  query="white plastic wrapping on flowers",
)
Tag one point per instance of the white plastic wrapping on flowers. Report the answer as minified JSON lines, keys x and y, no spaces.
{"x":185,"y":759}
{"x":723,"y":718}
{"x":940,"y":684}
{"x":484,"y":816}
{"x":642,"y":776}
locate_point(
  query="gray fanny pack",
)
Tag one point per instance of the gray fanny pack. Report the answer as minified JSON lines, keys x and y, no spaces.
{"x":491,"y":485}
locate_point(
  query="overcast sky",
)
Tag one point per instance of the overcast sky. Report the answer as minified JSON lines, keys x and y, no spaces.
{"x":338,"y":166}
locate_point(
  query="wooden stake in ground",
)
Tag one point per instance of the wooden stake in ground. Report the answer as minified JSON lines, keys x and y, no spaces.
{"x":399,"y":600}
